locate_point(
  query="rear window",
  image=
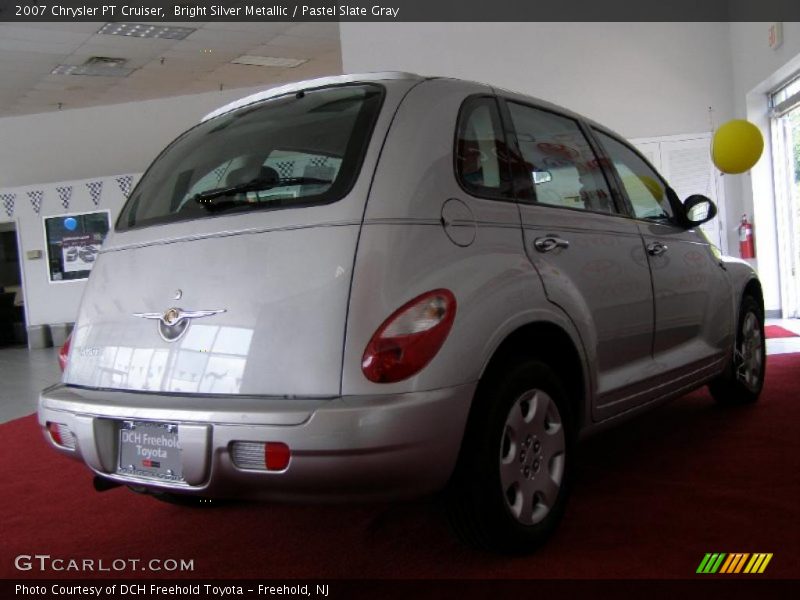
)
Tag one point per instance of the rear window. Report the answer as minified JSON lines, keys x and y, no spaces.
{"x":302,"y":149}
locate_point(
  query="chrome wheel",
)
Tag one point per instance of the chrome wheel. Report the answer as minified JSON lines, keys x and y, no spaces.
{"x":750,"y":353}
{"x":532,"y":453}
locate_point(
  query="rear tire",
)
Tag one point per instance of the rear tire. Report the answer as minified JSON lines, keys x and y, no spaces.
{"x":743,"y":379}
{"x":511,"y":483}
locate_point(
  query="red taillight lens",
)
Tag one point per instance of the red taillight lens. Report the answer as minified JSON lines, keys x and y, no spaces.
{"x":63,"y":353}
{"x":276,"y":456}
{"x":409,"y":338}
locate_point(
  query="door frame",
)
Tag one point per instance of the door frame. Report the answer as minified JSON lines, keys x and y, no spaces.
{"x":785,"y":218}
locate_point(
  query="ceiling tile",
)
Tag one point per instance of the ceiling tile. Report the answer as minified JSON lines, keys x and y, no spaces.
{"x":305,"y":43}
{"x":46,"y":36}
{"x":29,"y":51}
{"x":315,"y":30}
{"x":72,"y":27}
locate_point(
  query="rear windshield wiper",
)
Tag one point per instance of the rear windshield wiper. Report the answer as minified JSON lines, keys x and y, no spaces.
{"x":258,"y":184}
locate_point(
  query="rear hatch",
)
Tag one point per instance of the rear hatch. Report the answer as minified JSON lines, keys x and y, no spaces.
{"x":229,"y":269}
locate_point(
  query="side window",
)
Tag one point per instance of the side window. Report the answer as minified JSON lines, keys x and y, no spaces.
{"x":644,"y":187}
{"x":481,"y":157}
{"x":563,"y":168}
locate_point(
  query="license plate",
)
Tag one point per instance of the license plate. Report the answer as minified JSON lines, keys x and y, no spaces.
{"x":150,"y":450}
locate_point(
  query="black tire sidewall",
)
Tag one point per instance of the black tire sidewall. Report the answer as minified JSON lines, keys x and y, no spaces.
{"x":749,"y":305}
{"x":498,"y":528}
{"x":727,"y":389}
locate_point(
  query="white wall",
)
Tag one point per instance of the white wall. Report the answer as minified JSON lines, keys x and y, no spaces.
{"x":49,"y":302}
{"x":97,"y":141}
{"x":757,"y":69}
{"x":641,"y":79}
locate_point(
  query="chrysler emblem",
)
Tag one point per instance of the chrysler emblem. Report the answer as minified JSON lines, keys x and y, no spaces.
{"x":171,"y":316}
{"x":174,"y":322}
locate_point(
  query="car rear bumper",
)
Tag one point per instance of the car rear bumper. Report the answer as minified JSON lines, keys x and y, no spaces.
{"x":353,"y":447}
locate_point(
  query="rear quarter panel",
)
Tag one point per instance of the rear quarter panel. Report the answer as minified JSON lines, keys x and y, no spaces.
{"x":404,"y":251}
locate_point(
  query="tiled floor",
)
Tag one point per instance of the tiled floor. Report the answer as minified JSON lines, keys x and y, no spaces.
{"x":784,"y":345}
{"x":23,"y":372}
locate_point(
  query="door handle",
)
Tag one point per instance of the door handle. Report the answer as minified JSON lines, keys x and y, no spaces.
{"x":656,"y":249}
{"x":549,"y":243}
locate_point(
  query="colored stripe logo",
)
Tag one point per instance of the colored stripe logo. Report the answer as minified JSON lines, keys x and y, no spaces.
{"x":737,"y":562}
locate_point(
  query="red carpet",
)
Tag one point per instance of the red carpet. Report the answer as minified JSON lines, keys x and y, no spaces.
{"x":776,"y":331}
{"x":650,"y":499}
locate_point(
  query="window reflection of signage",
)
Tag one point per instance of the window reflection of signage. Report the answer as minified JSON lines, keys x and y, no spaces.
{"x":73,"y":242}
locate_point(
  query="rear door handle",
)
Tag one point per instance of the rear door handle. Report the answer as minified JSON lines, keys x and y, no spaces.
{"x":549,"y":243}
{"x":656,"y":248}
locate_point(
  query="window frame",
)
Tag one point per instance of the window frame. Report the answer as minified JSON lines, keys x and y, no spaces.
{"x":678,"y":216}
{"x":519,"y":174}
{"x":511,"y":195}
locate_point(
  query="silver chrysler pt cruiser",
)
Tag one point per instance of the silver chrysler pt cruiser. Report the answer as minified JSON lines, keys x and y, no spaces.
{"x":380,"y":286}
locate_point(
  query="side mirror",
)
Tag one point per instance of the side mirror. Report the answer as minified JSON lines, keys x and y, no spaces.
{"x":698,"y":209}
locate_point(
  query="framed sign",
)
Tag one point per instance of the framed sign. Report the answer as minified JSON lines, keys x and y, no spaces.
{"x":72,"y":243}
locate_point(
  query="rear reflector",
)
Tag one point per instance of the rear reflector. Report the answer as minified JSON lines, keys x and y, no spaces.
{"x":276,"y":455}
{"x":61,"y":435}
{"x":269,"y":456}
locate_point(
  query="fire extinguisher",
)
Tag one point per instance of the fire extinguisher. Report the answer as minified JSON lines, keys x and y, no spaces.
{"x":746,"y":247}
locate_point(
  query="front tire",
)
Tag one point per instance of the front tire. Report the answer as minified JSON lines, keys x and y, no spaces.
{"x":510,"y":486}
{"x":743,"y":380}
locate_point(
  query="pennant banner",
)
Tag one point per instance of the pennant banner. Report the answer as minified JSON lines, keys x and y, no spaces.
{"x":64,"y":195}
{"x":125,"y":183}
{"x":36,"y":200}
{"x":96,"y":190}
{"x":8,"y":203}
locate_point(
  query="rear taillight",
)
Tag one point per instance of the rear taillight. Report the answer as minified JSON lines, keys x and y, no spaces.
{"x":409,"y":338}
{"x":63,"y":353}
{"x":270,"y":456}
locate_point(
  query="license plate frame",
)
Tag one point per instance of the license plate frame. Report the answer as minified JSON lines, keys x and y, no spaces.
{"x":149,"y":450}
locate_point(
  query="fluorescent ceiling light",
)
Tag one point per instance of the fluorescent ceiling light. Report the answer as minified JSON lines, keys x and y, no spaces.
{"x":143,"y":30}
{"x":269,"y":61}
{"x":94,"y":70}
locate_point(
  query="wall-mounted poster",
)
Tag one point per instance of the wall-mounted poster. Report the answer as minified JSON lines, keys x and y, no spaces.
{"x":73,"y":242}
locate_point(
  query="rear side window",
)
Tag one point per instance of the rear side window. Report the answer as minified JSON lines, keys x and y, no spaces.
{"x":644,"y":188}
{"x":298,"y":150}
{"x":481,"y":157}
{"x":563,"y":168}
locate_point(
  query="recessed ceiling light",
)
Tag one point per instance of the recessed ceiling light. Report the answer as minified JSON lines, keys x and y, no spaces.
{"x":269,"y":61}
{"x":96,"y":70}
{"x":144,"y":30}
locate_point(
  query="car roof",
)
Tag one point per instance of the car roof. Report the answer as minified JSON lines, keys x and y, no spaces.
{"x":321,"y":82}
{"x":310,"y":84}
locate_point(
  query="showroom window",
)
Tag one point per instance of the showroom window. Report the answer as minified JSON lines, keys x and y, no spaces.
{"x":644,"y":187}
{"x":481,"y":157}
{"x":563,"y":167}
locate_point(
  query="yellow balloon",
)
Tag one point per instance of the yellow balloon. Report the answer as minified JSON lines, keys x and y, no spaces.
{"x":737,"y":146}
{"x":634,"y":184}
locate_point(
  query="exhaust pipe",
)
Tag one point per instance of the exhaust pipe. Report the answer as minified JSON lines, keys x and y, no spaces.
{"x":101,"y":484}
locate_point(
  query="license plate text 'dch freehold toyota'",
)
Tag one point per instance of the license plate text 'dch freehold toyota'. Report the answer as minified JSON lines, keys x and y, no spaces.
{"x":151,"y":450}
